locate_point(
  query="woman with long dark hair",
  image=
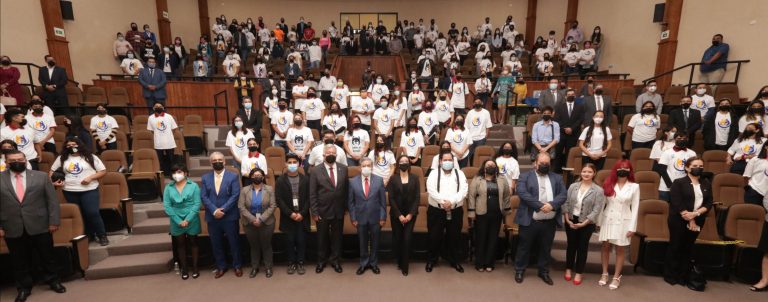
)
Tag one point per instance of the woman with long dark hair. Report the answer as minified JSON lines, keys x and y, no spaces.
{"x":746,"y":147}
{"x":721,"y":129}
{"x":642,"y":126}
{"x":404,"y":189}
{"x":506,"y":161}
{"x":487,"y":203}
{"x":595,"y":141}
{"x":383,"y":159}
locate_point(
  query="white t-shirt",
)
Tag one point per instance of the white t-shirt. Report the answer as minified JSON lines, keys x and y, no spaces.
{"x":746,"y":147}
{"x":238,"y":143}
{"x":131,"y":66}
{"x":702,"y":103}
{"x":366,"y":105}
{"x":508,"y":167}
{"x":427,"y":121}
{"x":313,"y":108}
{"x":326,"y":83}
{"x":644,"y":127}
{"x":401,"y":112}
{"x":675,"y":161}
{"x":42,"y":125}
{"x":24,"y":138}
{"x":382,"y":163}
{"x":315,"y":53}
{"x":722,"y":127}
{"x":459,"y":139}
{"x":595,"y":143}
{"x":443,"y":111}
{"x":377,"y":91}
{"x":757,"y":171}
{"x":477,"y":123}
{"x":75,"y":170}
{"x":299,"y":102}
{"x":659,"y":147}
{"x":743,"y":122}
{"x":282,"y":120}
{"x":249,"y":163}
{"x":385,"y":118}
{"x":301,"y":139}
{"x":340,"y":95}
{"x":458,"y":92}
{"x":162,"y":127}
{"x":231,"y":67}
{"x":357,"y":141}
{"x":270,"y":105}
{"x":415,"y":100}
{"x":104,"y":126}
{"x":335,"y":122}
{"x":411,"y":142}
{"x":260,"y":70}
{"x":572,"y":58}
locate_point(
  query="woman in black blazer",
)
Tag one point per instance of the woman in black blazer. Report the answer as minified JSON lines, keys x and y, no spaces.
{"x":722,"y":117}
{"x":404,"y":197}
{"x":691,"y":199}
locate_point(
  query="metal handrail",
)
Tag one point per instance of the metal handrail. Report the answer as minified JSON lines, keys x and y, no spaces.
{"x":29,"y":66}
{"x":692,"y":69}
{"x":216,"y":106}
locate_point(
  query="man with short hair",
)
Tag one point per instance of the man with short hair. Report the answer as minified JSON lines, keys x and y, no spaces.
{"x":53,"y":81}
{"x":292,"y":195}
{"x":649,"y":95}
{"x":551,"y":96}
{"x":327,"y":194}
{"x":316,"y":155}
{"x":545,"y":134}
{"x":597,"y":102}
{"x":446,"y":187}
{"x":219,"y":193}
{"x":367,"y":211}
{"x":153,"y":82}
{"x":713,"y":61}
{"x":686,"y":119}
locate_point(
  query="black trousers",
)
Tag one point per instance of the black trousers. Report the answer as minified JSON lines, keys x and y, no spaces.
{"x":401,"y":241}
{"x":166,"y":160}
{"x":486,"y":238}
{"x":329,"y":233}
{"x":564,"y":145}
{"x":578,"y":246}
{"x":444,"y":232}
{"x":27,"y":246}
{"x":315,"y":124}
{"x":295,"y":243}
{"x":586,"y":159}
{"x":542,"y":233}
{"x":752,"y":196}
{"x":680,"y":250}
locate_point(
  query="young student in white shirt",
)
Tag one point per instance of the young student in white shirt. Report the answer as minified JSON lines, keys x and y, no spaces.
{"x":508,"y":165}
{"x":44,"y":126}
{"x":702,"y":101}
{"x":400,"y":106}
{"x":281,"y":122}
{"x":17,"y":131}
{"x":237,"y":139}
{"x":478,"y":123}
{"x":459,"y":90}
{"x":340,"y":95}
{"x":259,"y":69}
{"x":460,"y":140}
{"x":271,"y":101}
{"x":326,"y":85}
{"x":595,"y":141}
{"x":335,"y":121}
{"x":428,"y":123}
{"x":299,"y":93}
{"x":642,"y":126}
{"x":412,"y":141}
{"x":315,"y":55}
{"x":378,"y":90}
{"x":131,"y":65}
{"x":745,"y":148}
{"x":313,"y":111}
{"x":443,"y":109}
{"x":384,"y":120}
{"x":356,"y":141}
{"x":250,"y":160}
{"x":415,"y":99}
{"x":513,"y":63}
{"x":665,"y":142}
{"x":383,"y":159}
{"x":363,"y":107}
{"x":231,"y":65}
{"x":672,"y":164}
{"x":162,"y":126}
{"x":104,"y":129}
{"x":756,"y":174}
{"x":755,"y":114}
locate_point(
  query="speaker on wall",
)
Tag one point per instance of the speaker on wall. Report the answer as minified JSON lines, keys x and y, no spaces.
{"x":658,"y":13}
{"x":66,"y":10}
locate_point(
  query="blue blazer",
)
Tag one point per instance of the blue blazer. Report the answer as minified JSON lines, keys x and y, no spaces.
{"x":157,"y":79}
{"x":229,"y":192}
{"x":369,"y":210}
{"x":528,"y":191}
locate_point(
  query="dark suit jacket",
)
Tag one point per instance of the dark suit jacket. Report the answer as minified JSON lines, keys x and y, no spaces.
{"x":174,"y":61}
{"x":229,"y":192}
{"x":325,"y":200}
{"x":284,"y":197}
{"x":403,"y":198}
{"x":548,"y":99}
{"x":409,"y":84}
{"x":589,"y":110}
{"x":157,"y":78}
{"x":574,"y":121}
{"x":38,"y":210}
{"x":371,"y":209}
{"x":528,"y":190}
{"x":709,"y":131}
{"x":682,"y":198}
{"x":292,"y":70}
{"x":677,"y":120}
{"x":58,"y":78}
{"x":253,"y":122}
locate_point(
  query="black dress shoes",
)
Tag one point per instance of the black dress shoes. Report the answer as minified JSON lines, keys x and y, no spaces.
{"x":254,"y":272}
{"x":458,"y":268}
{"x":375,"y":269}
{"x":519,"y":276}
{"x":57,"y":287}
{"x":23,"y":295}
{"x":320,"y":268}
{"x":269,"y":273}
{"x":429,"y":267}
{"x":546,"y":279}
{"x":337,"y":268}
{"x":405,"y":273}
{"x":360,"y":270}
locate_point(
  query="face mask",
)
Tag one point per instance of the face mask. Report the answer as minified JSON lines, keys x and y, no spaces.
{"x":297,"y":122}
{"x":5,"y":62}
{"x":648,"y":110}
{"x":447,"y":165}
{"x":543,"y":169}
{"x":681,"y":144}
{"x":356,"y":126}
{"x":725,"y":108}
{"x":218,"y":166}
{"x":759,"y":111}
{"x":652,"y":89}
{"x":130,"y":56}
{"x":715,"y":43}
{"x":552,"y":86}
{"x":670,"y":136}
{"x":546,"y":117}
{"x":397,"y":93}
{"x":685,"y":105}
{"x":37,"y":110}
{"x":507,"y":152}
{"x":570,"y":99}
{"x":134,"y":28}
{"x":151,"y":65}
{"x":478,"y":106}
{"x":238,"y":125}
{"x":384,"y":104}
{"x":366,"y":171}
{"x":413,"y":76}
{"x":330,"y":159}
{"x":597,"y":120}
{"x":701,"y":91}
{"x":328,"y":141}
{"x":459,"y":123}
{"x":178,"y":177}
{"x":490,"y":170}
{"x":158,"y":110}
{"x":121,"y":39}
{"x":442,"y":98}
{"x":412,"y":126}
{"x":748,"y":133}
{"x":17,"y":167}
{"x":622,"y":173}
{"x":72,"y":150}
{"x":274,"y":91}
{"x":281,"y":107}
{"x":51,"y":63}
{"x":404,"y":167}
{"x":378,"y":81}
{"x":293,"y":167}
{"x":253,"y":148}
{"x":697,"y":171}
{"x":257,"y":180}
{"x":248,"y":105}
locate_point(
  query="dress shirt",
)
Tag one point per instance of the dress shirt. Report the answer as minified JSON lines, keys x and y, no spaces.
{"x":543,"y":133}
{"x":23,"y":180}
{"x":335,"y":170}
{"x":448,"y":190}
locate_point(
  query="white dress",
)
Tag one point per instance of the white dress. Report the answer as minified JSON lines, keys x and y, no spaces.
{"x":620,"y":214}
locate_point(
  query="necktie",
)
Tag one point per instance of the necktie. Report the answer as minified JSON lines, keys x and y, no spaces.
{"x":685,"y":116}
{"x":570,"y":109}
{"x":248,"y":114}
{"x":151,"y":72}
{"x":330,"y":174}
{"x":19,"y":188}
{"x":217,"y":183}
{"x":367,"y":187}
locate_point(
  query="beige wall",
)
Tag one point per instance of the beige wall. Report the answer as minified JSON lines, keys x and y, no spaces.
{"x":746,"y":39}
{"x":185,"y":21}
{"x":22,"y":33}
{"x":550,"y":15}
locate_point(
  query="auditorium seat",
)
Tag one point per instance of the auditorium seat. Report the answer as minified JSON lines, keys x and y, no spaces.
{"x":139,"y":122}
{"x":122,"y":141}
{"x":266,"y":142}
{"x":727,"y":91}
{"x":180,"y":152}
{"x":353,"y":171}
{"x":481,"y":154}
{"x":58,"y":138}
{"x":87,"y":120}
{"x":612,"y":157}
{"x":698,"y":142}
{"x":427,"y":153}
{"x":74,"y":97}
{"x":710,"y":256}
{"x":271,"y":177}
{"x":114,"y":160}
{"x":118,"y":99}
{"x":649,"y":184}
{"x":71,"y":238}
{"x":715,"y":161}
{"x":194,"y":134}
{"x":511,"y":229}
{"x":615,"y":136}
{"x":116,"y":207}
{"x":673,"y":95}
{"x":745,"y":223}
{"x":46,"y":161}
{"x":420,"y":225}
{"x":532,"y":119}
{"x":419,"y":172}
{"x":626,"y":96}
{"x":640,"y":159}
{"x":469,"y":173}
{"x":145,"y":175}
{"x":143,"y":139}
{"x":728,"y":189}
{"x":572,"y":168}
{"x":95,"y":95}
{"x":649,"y":243}
{"x":275,"y":159}
{"x":601,"y":176}
{"x":122,"y":123}
{"x":396,"y":140}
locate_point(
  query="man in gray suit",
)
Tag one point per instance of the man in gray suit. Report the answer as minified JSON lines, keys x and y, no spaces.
{"x":327,"y":194}
{"x":152,"y":81}
{"x":598,"y":102}
{"x":368,"y":213}
{"x":29,"y":214}
{"x":551,"y":96}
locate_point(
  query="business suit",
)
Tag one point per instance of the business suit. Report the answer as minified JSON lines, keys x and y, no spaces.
{"x":367,"y":210}
{"x":592,"y":204}
{"x":292,"y":70}
{"x":403,"y":201}
{"x":295,"y":231}
{"x":56,"y":99}
{"x":488,"y":208}
{"x":682,"y":240}
{"x":173,"y":60}
{"x":709,"y":131}
{"x":590,"y":107}
{"x":532,"y":230}
{"x":548,"y":98}
{"x":252,"y":119}
{"x":573,"y":121}
{"x":327,"y":203}
{"x":226,"y":199}
{"x":690,"y":126}
{"x":153,"y":76}
{"x":259,"y":237}
{"x":25,"y":224}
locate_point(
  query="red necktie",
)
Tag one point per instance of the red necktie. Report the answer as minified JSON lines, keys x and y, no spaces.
{"x":330,"y":174}
{"x":367,"y":187}
{"x":20,"y":188}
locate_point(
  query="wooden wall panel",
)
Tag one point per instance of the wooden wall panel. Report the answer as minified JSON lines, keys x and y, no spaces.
{"x":58,"y":46}
{"x":351,"y":68}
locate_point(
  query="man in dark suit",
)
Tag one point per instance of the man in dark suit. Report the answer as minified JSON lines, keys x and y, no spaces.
{"x":551,"y":96}
{"x":327,"y":194}
{"x":153,"y":80}
{"x":569,"y":116}
{"x":686,"y":119}
{"x":292,"y":69}
{"x":541,"y":194}
{"x":220,"y":191}
{"x":292,"y":195}
{"x":29,"y":215}
{"x":53,"y":80}
{"x":368,"y":212}
{"x":300,"y":29}
{"x":252,"y":117}
{"x":597,"y":102}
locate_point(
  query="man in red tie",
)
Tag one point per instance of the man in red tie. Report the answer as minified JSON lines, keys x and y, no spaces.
{"x":327,"y":194}
{"x":367,"y":205}
{"x":29,"y":214}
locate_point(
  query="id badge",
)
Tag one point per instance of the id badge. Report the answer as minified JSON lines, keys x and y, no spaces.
{"x":295,"y":202}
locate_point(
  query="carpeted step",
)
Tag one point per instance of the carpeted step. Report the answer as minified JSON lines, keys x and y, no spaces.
{"x":152,"y":226}
{"x":135,"y":244}
{"x":130,"y":265}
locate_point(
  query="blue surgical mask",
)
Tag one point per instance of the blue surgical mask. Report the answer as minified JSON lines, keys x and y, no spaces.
{"x":552,"y":86}
{"x":248,"y":105}
{"x":447,"y":165}
{"x":293,"y":167}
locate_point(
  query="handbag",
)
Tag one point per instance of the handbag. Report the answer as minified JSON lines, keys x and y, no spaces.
{"x":696,"y":279}
{"x":7,"y":100}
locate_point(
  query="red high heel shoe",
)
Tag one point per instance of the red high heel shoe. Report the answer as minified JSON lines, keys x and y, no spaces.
{"x":577,"y":282}
{"x":567,"y":278}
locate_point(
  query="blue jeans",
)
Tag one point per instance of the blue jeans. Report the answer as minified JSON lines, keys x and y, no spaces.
{"x":88,"y":202}
{"x":296,"y":244}
{"x":664,"y":195}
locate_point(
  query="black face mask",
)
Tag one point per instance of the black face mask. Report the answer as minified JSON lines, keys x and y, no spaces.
{"x":134,"y":28}
{"x":543,"y":169}
{"x":598,"y":91}
{"x":218,"y":166}
{"x":328,"y":141}
{"x":506,"y":152}
{"x":546,"y":117}
{"x":757,"y":110}
{"x":681,"y":144}
{"x":715,"y":43}
{"x":412,"y":126}
{"x":622,"y":173}
{"x":404,"y":167}
{"x":685,"y":105}
{"x":258,"y":180}
{"x":6,"y":151}
{"x":356,"y":126}
{"x":697,"y":171}
{"x":297,"y":122}
{"x":570,"y":99}
{"x":17,"y":167}
{"x":101,"y":112}
{"x":748,"y":133}
{"x":490,"y":170}
{"x":253,"y":148}
{"x":725,"y":108}
{"x":459,"y":123}
{"x":37,"y":110}
{"x":648,"y":110}
{"x":330,"y":159}
{"x":478,"y":106}
{"x":5,"y":62}
{"x":379,"y":145}
{"x":51,"y":63}
{"x":282,"y":107}
{"x":158,"y":110}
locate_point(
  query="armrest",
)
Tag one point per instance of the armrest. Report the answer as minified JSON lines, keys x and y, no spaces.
{"x":126,"y":205}
{"x":80,"y":250}
{"x":567,"y":169}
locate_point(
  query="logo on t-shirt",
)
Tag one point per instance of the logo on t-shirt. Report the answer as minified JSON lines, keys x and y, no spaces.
{"x":476,"y":121}
{"x":339,"y":97}
{"x":457,"y":137}
{"x":381,"y":160}
{"x":724,"y":123}
{"x":679,"y":164}
{"x":299,"y":142}
{"x":40,"y":126}
{"x":443,"y":107}
{"x":385,"y":117}
{"x":355,"y":141}
{"x":333,"y":122}
{"x":74,"y":168}
{"x":21,"y":141}
{"x":411,"y":142}
{"x":428,"y":121}
{"x":379,"y":91}
{"x":161,"y":126}
{"x":748,"y":149}
{"x":701,"y":105}
{"x":102,"y":126}
{"x":282,"y":120}
{"x":649,"y":122}
{"x":312,"y":106}
{"x":240,"y":142}
{"x":458,"y":88}
{"x":254,"y":165}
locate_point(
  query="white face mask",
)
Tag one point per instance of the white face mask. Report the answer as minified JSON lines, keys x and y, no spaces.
{"x":597,"y":120}
{"x":701,"y":91}
{"x":365,"y":171}
{"x":238,"y":125}
{"x":552,"y":86}
{"x":397,"y":92}
{"x":378,"y":81}
{"x":178,"y":177}
{"x":652,"y":88}
{"x":274,"y":91}
{"x":671,"y":136}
